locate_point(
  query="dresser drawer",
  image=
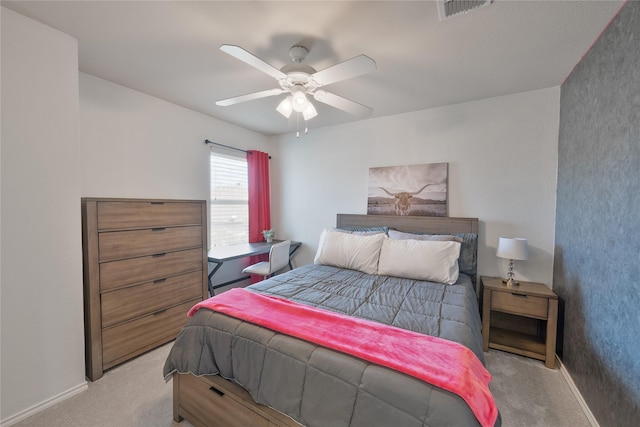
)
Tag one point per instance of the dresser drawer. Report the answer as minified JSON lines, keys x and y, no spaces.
{"x":134,"y":301}
{"x":213,"y":406}
{"x":116,"y":274}
{"x":119,"y":215}
{"x":127,"y":340}
{"x":519,"y":303}
{"x":115,"y":245}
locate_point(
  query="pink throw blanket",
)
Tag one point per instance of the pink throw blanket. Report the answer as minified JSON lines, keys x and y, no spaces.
{"x":443,"y":363}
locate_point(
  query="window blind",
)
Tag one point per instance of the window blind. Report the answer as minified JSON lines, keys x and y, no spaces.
{"x":229,"y":212}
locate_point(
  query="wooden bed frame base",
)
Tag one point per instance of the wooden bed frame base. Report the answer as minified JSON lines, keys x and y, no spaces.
{"x":212,"y":401}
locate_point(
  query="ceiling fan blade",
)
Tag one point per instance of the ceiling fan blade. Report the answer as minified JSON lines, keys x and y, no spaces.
{"x":248,"y":97}
{"x":353,"y":67}
{"x":341,"y":103}
{"x":249,"y":58}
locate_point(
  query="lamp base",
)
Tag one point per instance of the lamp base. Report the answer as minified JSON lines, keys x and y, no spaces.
{"x":510,"y":282}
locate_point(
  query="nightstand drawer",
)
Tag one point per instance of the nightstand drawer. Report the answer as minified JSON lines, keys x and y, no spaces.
{"x":520,"y":304}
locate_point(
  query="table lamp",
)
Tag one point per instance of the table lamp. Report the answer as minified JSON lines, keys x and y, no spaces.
{"x":512,"y":249}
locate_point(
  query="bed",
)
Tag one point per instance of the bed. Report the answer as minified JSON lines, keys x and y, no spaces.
{"x":230,"y":371}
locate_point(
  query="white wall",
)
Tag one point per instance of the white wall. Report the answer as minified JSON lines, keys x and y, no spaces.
{"x":41,"y":314}
{"x":68,"y":135}
{"x":502,"y":155}
{"x":135,"y":145}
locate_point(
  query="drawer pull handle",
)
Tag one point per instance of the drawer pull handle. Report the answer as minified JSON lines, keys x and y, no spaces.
{"x":160,"y":280}
{"x":157,"y":203}
{"x":216,"y":391}
{"x":159,"y":255}
{"x":518,"y":295}
{"x":159,"y":312}
{"x":158,"y":229}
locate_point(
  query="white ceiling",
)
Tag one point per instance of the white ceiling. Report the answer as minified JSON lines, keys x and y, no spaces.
{"x":169,"y":49}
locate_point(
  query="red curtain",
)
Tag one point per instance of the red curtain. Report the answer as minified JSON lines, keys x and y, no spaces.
{"x":259,"y":196}
{"x":259,"y":201}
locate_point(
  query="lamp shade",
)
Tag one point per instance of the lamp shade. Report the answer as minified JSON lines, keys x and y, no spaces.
{"x":513,"y":248}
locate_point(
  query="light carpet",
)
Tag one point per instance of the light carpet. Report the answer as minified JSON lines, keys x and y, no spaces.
{"x":135,"y":395}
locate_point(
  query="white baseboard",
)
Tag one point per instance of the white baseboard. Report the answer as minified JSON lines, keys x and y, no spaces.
{"x":577,"y":394}
{"x":44,"y":405}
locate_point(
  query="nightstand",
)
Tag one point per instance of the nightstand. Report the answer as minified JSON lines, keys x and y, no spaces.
{"x":531,"y":301}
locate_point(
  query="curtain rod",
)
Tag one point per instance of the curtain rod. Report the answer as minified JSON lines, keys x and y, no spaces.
{"x":206,"y":141}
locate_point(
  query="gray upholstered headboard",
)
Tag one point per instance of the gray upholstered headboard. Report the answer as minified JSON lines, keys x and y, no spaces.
{"x":421,"y":224}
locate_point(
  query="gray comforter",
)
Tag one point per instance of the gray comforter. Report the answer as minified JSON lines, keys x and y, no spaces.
{"x":321,"y":387}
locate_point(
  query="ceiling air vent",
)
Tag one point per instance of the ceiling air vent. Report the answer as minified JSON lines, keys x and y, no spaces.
{"x":449,"y":8}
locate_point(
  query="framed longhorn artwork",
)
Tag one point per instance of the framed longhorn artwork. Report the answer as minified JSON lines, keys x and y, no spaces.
{"x":419,"y":190}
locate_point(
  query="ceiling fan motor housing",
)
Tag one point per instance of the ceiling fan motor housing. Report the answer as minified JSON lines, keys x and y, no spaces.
{"x":298,"y":53}
{"x":298,"y":74}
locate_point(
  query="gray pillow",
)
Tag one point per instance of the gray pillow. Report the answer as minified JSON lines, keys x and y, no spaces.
{"x":401,"y":235}
{"x":364,"y":231}
{"x":468,"y":253}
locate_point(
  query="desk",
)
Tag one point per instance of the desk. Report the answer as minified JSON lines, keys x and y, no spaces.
{"x":220,"y":255}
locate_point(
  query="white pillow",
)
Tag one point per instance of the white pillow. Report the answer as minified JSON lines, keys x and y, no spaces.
{"x":420,"y":260}
{"x":350,"y":251}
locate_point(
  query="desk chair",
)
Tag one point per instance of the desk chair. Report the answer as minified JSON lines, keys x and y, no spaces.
{"x":278,"y":259}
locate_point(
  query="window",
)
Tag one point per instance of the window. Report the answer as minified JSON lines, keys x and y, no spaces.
{"x":229,"y":200}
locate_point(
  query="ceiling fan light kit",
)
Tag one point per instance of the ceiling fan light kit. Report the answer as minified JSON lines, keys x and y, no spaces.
{"x":299,"y":99}
{"x":285,"y":107}
{"x":288,"y":106}
{"x":309,"y":112}
{"x":301,"y":81}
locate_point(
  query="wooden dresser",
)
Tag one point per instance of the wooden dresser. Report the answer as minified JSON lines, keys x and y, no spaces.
{"x":145,"y":265}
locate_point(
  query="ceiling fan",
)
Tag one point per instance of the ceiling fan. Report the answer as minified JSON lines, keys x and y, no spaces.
{"x":302,"y":81}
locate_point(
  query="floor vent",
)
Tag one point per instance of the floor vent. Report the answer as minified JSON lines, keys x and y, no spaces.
{"x":449,"y":8}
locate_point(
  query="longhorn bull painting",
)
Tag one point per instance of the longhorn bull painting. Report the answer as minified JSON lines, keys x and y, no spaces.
{"x":408,"y":190}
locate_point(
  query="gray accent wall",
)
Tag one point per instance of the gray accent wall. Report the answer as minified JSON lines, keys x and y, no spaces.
{"x":597,"y":254}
